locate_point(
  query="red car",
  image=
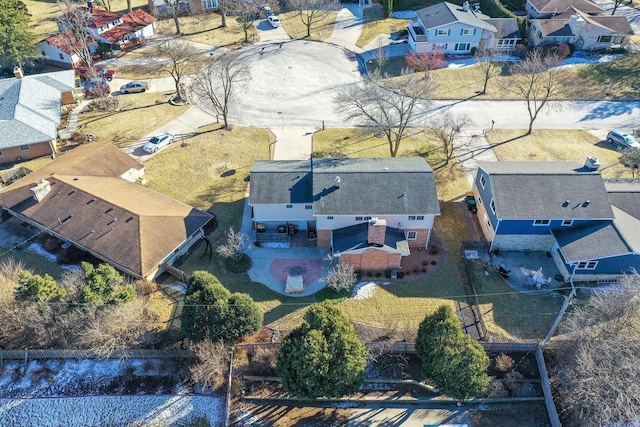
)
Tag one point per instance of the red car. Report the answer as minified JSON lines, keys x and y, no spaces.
{"x":95,"y":72}
{"x":96,"y":90}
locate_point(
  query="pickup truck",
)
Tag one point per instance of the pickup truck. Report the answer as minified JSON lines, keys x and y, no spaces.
{"x":86,"y":73}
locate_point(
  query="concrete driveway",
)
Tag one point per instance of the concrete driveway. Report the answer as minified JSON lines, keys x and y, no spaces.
{"x":268,"y":34}
{"x":293,"y":84}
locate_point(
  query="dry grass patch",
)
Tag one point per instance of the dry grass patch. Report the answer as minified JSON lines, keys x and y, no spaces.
{"x":375,"y":24}
{"x":206,"y":28}
{"x":320,"y":30}
{"x":557,"y":144}
{"x":138,"y":115}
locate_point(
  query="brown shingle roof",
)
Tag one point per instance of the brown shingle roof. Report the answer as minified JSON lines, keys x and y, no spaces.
{"x":66,"y":41}
{"x":89,"y":205}
{"x":559,"y":6}
{"x":132,"y":22}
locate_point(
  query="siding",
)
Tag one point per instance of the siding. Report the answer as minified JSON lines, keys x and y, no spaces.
{"x":12,"y":154}
{"x":394,"y":221}
{"x":280,"y":213}
{"x":526,"y":227}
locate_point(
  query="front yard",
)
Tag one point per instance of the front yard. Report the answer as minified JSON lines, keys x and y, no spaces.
{"x":296,"y":29}
{"x":207,"y":28}
{"x":541,"y":145}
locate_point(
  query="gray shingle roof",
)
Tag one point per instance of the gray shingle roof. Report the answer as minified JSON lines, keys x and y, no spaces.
{"x":447,"y":13}
{"x":541,"y":190}
{"x":30,"y":107}
{"x":587,"y":242}
{"x":625,"y":195}
{"x":507,"y":27}
{"x":280,"y":182}
{"x":355,"y":237}
{"x":383,"y":186}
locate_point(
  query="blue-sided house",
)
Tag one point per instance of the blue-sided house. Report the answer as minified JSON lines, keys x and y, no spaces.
{"x":563,"y":208}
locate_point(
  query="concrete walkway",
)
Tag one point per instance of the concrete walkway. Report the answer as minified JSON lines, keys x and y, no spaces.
{"x":292,"y":143}
{"x":470,"y":147}
{"x":72,"y":124}
{"x":348,"y":27}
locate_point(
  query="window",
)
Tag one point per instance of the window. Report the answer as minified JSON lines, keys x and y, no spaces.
{"x":329,"y":217}
{"x":367,"y":218}
{"x":43,"y":53}
{"x":209,"y":4}
{"x":1,"y":154}
{"x":363,"y":218}
{"x":462,"y":46}
{"x":289,"y":206}
{"x":442,"y":32}
{"x":604,"y":39}
{"x":587,"y":265}
{"x":567,"y":222}
{"x":412,"y":217}
{"x":493,"y":206}
{"x":412,"y":235}
{"x":489,"y":224}
{"x":483,"y":182}
{"x":441,"y":46}
{"x":467,"y":31}
{"x":541,"y":222}
{"x":61,"y":56}
{"x":539,"y":35}
{"x":25,"y":148}
{"x":308,"y":207}
{"x":479,"y":199}
{"x":420,"y":217}
{"x":358,"y":218}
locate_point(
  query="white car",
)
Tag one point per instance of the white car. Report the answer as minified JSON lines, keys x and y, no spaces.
{"x":158,"y":142}
{"x":274,"y":21}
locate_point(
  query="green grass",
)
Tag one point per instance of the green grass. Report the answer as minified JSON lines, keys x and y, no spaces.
{"x":35,"y":263}
{"x":138,"y":115}
{"x":557,"y":144}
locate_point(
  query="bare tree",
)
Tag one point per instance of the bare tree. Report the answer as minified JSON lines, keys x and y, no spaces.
{"x":631,"y":159}
{"x":342,"y":277}
{"x":313,"y":11}
{"x":220,"y":80}
{"x":173,"y":9}
{"x":387,"y":106}
{"x":234,"y":245}
{"x":616,"y":4}
{"x":447,"y":128}
{"x":537,"y":79}
{"x":73,"y":20}
{"x":212,"y":364}
{"x":596,"y":366}
{"x":246,"y":13}
{"x":486,"y":67}
{"x":180,"y":58}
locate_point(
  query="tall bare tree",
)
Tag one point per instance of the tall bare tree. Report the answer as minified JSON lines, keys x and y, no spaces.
{"x":447,"y":128}
{"x":180,"y":58}
{"x":631,"y":159}
{"x":486,"y":67}
{"x":212,"y":364}
{"x":387,"y":106}
{"x":220,"y":80}
{"x":246,"y":13}
{"x":596,"y":367}
{"x":537,"y":79}
{"x":173,"y":9}
{"x":616,"y":4}
{"x":73,"y":20}
{"x":313,"y":11}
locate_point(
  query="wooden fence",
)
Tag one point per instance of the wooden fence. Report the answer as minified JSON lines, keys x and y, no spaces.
{"x":176,"y":272}
{"x":92,"y":354}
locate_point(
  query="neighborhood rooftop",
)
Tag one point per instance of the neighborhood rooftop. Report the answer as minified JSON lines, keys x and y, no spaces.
{"x":559,"y":6}
{"x":447,"y":13}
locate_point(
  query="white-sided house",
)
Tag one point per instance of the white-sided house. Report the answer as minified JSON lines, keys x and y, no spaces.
{"x":369,"y":212}
{"x":582,"y":30}
{"x":159,"y":7}
{"x":545,"y":9}
{"x":135,"y":25}
{"x":58,"y":50}
{"x":457,"y":30}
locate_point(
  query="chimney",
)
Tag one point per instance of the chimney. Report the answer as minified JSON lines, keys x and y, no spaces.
{"x":40,"y":190}
{"x":592,"y":163}
{"x":377,"y":232}
{"x":465,"y":6}
{"x":336,"y":183}
{"x":17,"y":72}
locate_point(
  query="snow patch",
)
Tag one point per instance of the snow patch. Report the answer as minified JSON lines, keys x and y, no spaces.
{"x":178,"y":287}
{"x":363,"y":290}
{"x":471,"y":254}
{"x":38,"y":249}
{"x":275,"y":245}
{"x":404,"y":14}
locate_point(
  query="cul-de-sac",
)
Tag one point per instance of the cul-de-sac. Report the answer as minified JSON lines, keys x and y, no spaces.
{"x":319,"y":213}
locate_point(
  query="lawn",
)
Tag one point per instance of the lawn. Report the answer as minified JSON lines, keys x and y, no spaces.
{"x":557,"y":144}
{"x":375,"y":24}
{"x":138,"y":115}
{"x":321,"y":29}
{"x":206,"y":28}
{"x":43,"y":11}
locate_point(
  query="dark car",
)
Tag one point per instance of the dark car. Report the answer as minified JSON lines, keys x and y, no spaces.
{"x":96,"y":89}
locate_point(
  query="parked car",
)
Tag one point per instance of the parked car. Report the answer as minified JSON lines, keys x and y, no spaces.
{"x":96,"y":89}
{"x":622,"y":139}
{"x":95,"y":72}
{"x":159,"y":141}
{"x":274,"y":21}
{"x":267,"y":12}
{"x":133,"y":87}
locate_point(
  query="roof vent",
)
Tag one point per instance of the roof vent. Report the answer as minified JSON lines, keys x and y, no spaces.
{"x":17,"y":72}
{"x":40,"y":190}
{"x":566,"y":203}
{"x":586,"y":203}
{"x":336,"y":182}
{"x":592,"y":163}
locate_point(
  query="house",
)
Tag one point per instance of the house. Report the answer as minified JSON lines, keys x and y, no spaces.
{"x":368,"y":212}
{"x":160,"y":7}
{"x":89,"y":198}
{"x":580,"y":29}
{"x":545,"y":9}
{"x":457,"y":30}
{"x":104,"y":27}
{"x":564,"y":208}
{"x":30,"y":113}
